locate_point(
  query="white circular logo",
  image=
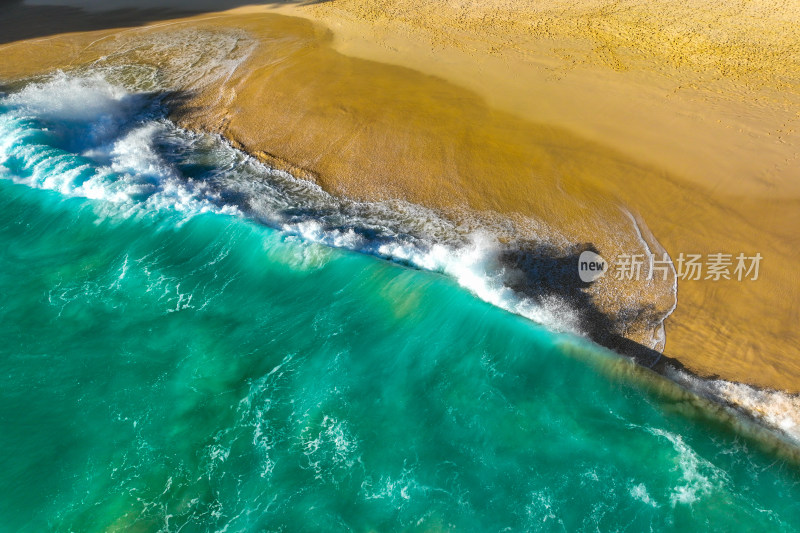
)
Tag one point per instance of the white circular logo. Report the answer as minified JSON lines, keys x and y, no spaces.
{"x":591,"y":266}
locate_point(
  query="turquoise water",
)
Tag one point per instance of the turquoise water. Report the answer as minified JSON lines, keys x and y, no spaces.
{"x":176,"y":358}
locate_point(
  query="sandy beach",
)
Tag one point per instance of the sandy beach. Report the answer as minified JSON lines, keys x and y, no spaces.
{"x":627,"y":125}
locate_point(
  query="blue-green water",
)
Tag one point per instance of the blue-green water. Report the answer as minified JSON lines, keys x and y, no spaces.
{"x":169,"y":362}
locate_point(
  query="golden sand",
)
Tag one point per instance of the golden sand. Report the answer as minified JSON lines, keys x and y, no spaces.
{"x":564,"y":120}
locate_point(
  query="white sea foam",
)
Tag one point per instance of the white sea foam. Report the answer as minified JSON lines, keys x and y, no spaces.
{"x":104,"y":150}
{"x":639,"y":492}
{"x":398,"y":490}
{"x":653,"y":248}
{"x":774,"y":409}
{"x":90,"y":100}
{"x":699,"y":477}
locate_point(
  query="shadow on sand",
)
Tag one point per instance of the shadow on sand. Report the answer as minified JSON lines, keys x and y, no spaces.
{"x":539,"y":271}
{"x":20,"y":20}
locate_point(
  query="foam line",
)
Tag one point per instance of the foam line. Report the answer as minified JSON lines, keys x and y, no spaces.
{"x":83,"y":136}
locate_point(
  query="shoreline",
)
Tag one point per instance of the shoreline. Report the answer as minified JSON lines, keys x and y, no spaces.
{"x":763,"y":421}
{"x":728,"y":219}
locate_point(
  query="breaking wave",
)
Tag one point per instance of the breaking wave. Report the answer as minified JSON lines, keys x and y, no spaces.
{"x":84,"y":136}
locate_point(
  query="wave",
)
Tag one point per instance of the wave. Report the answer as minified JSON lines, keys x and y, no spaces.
{"x":85,"y":136}
{"x":121,"y":149}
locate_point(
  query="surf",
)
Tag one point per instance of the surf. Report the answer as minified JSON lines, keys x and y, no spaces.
{"x":85,"y":137}
{"x":193,"y":340}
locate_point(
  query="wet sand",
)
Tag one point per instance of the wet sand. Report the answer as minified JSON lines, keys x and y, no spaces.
{"x":565,"y":129}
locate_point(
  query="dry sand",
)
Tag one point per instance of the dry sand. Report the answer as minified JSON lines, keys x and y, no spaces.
{"x":563,"y":119}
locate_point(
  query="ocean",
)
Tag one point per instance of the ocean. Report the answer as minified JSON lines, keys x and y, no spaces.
{"x":192,"y":341}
